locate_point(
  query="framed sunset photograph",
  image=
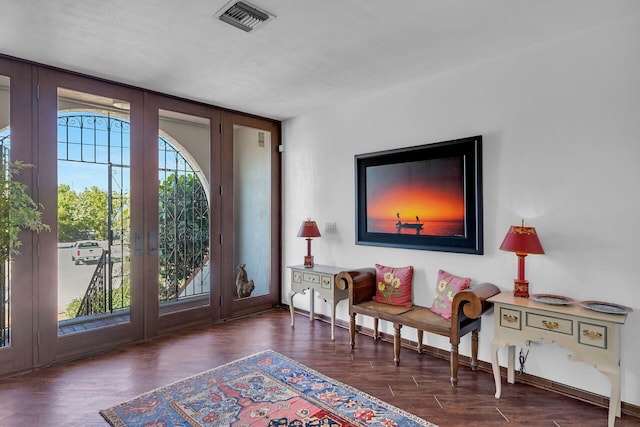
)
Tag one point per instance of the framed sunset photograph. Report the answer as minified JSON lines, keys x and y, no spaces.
{"x":424,"y":197}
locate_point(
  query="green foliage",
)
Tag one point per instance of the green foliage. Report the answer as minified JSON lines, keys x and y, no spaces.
{"x":121,"y":300}
{"x":183,"y":231}
{"x":79,"y":213}
{"x":120,"y":296}
{"x":84,"y":215}
{"x":18,"y":211}
{"x":92,"y":207}
{"x":67,"y":201}
{"x":72,"y":308}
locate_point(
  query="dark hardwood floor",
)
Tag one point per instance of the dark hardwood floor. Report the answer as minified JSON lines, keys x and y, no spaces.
{"x":71,"y":394}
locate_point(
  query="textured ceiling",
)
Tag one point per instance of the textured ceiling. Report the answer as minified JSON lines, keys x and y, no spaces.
{"x":313,"y":54}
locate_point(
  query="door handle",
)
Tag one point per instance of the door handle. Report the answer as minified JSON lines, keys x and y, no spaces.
{"x":138,"y":244}
{"x":153,"y":243}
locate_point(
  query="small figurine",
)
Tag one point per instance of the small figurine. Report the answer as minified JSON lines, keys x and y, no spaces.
{"x":244,"y":286}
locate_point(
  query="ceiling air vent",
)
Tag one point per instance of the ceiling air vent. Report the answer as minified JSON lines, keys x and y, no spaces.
{"x":243,"y":15}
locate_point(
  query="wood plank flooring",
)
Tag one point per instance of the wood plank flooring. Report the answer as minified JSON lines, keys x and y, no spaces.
{"x":71,"y":394}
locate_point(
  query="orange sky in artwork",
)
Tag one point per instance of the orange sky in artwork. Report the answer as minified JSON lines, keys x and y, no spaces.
{"x":425,"y":203}
{"x":431,"y":189}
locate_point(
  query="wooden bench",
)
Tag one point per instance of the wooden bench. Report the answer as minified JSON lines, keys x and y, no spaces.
{"x":467,"y":309}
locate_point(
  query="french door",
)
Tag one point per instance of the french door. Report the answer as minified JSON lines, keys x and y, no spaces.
{"x":153,"y":203}
{"x":90,"y":160}
{"x":251,"y":153}
{"x":16,"y":271}
{"x":144,"y":165}
{"x":182,"y":223}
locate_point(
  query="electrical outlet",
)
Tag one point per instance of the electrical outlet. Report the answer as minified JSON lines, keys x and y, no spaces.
{"x":330,"y":227}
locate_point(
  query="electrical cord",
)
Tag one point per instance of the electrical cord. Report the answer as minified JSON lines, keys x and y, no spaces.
{"x":522,"y":359}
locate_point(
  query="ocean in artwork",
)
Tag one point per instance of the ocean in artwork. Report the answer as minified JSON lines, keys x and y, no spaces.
{"x":421,"y":228}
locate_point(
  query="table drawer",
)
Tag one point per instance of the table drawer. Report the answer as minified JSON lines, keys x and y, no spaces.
{"x":592,"y":334}
{"x":296,"y":276}
{"x":301,"y":280}
{"x":510,"y":318}
{"x":554,"y":324}
{"x":325,"y":282}
{"x":310,"y":278}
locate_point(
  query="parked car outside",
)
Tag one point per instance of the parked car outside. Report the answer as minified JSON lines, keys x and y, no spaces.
{"x":85,"y":251}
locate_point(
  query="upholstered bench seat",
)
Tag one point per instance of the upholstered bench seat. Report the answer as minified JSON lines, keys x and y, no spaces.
{"x":466,"y":315}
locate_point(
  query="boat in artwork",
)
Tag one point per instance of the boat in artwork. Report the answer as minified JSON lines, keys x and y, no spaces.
{"x":417,"y":226}
{"x":411,"y":225}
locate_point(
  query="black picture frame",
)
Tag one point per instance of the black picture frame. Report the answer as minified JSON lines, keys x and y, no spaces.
{"x":427,"y":197}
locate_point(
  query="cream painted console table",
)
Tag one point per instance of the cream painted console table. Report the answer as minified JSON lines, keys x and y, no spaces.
{"x":320,"y":279}
{"x":593,"y":337}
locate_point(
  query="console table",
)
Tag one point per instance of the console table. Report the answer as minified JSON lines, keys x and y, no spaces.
{"x":320,"y":279}
{"x":593,"y":337}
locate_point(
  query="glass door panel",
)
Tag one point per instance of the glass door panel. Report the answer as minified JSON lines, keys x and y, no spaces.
{"x":5,"y":272}
{"x":252,"y":210}
{"x":94,"y":190}
{"x":184,"y":264}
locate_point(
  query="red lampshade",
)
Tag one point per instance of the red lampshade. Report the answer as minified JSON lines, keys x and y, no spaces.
{"x":308,"y":229}
{"x":523,"y":240}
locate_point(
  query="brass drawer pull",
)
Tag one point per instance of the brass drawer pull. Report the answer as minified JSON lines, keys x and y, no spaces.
{"x":510,"y":318}
{"x":311,"y":278}
{"x":550,"y":325}
{"x":592,"y":335}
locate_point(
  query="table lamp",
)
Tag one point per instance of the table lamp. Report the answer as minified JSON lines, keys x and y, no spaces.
{"x":523,"y":241}
{"x":308,"y":230}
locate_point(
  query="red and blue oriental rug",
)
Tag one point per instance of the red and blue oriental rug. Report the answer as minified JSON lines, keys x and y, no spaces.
{"x":266,"y":389}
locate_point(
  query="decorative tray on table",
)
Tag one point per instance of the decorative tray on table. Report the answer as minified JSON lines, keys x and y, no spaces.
{"x":551,"y":299}
{"x":606,"y":307}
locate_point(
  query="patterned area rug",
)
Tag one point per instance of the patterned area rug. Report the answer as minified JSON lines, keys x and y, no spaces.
{"x":266,"y":389}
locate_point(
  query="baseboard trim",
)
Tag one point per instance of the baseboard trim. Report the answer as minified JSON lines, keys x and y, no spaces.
{"x":532,"y":380}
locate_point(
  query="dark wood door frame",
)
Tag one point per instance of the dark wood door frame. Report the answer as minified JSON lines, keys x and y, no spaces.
{"x":230,"y":306}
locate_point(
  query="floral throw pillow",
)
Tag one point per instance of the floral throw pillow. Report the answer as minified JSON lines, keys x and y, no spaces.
{"x":393,"y":285}
{"x":448,"y":286}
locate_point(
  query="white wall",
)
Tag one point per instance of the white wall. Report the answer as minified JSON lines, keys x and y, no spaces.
{"x":561,"y":129}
